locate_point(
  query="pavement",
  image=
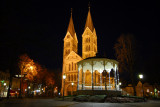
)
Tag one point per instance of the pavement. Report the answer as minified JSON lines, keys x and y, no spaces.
{"x":49,"y":102}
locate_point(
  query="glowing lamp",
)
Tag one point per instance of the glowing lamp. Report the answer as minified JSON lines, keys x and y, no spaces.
{"x":120,"y":83}
{"x":64,"y":76}
{"x":140,"y":76}
{"x":29,"y":87}
{"x":72,"y":83}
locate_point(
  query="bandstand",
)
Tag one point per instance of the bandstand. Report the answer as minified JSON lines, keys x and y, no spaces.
{"x":98,"y":74}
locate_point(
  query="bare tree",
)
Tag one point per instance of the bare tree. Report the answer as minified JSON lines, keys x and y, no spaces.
{"x":125,"y":53}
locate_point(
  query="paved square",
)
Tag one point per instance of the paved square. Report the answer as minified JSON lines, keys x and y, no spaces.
{"x":53,"y":103}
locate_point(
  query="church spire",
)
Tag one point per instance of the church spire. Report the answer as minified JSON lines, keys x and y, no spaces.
{"x":89,"y":22}
{"x":71,"y":26}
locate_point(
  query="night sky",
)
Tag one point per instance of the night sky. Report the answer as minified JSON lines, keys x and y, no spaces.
{"x":37,"y":27}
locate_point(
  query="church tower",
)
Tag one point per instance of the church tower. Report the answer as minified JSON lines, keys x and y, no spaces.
{"x":70,"y":40}
{"x":70,"y":59}
{"x":89,"y":39}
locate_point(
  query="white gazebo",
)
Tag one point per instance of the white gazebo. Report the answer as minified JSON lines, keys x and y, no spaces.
{"x":98,"y":74}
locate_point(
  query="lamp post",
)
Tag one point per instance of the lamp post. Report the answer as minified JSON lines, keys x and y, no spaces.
{"x":141,"y":77}
{"x":21,"y":87}
{"x":64,"y":77}
{"x":4,"y":89}
{"x":119,"y":85}
{"x":72,"y":88}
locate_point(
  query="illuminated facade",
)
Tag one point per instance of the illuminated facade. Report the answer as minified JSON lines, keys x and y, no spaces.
{"x":72,"y":61}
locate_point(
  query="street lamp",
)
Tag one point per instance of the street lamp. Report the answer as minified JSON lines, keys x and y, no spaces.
{"x":141,"y":77}
{"x":120,"y":83}
{"x":4,"y":88}
{"x":64,"y":77}
{"x":29,"y":87}
{"x":72,"y":88}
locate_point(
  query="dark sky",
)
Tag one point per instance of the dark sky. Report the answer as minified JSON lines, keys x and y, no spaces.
{"x":37,"y":27}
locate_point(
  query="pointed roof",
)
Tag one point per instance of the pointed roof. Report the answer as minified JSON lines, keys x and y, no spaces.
{"x":89,"y":22}
{"x":71,"y":26}
{"x":72,"y":53}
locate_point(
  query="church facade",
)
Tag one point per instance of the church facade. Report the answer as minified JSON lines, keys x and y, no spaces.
{"x":70,"y":52}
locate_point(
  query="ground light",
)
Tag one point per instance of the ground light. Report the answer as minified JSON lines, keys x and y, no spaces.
{"x":72,"y":88}
{"x":64,"y":77}
{"x":141,"y":77}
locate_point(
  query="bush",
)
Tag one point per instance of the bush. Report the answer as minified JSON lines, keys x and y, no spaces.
{"x":82,"y":98}
{"x":97,"y":98}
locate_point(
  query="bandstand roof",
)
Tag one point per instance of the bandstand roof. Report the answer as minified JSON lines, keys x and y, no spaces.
{"x":98,"y":63}
{"x":98,"y":58}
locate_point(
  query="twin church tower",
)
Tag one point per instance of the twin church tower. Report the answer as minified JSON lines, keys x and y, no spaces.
{"x":70,"y":52}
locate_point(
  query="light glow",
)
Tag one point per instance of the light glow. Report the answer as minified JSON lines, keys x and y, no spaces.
{"x":64,"y":76}
{"x":31,"y":67}
{"x":140,"y":76}
{"x":120,"y":83}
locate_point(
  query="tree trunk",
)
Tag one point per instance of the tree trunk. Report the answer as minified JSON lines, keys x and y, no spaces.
{"x":133,"y":83}
{"x":52,"y":91}
{"x":10,"y":84}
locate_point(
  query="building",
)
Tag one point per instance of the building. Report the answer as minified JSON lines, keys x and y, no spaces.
{"x":89,"y":50}
{"x":149,"y":90}
{"x":4,"y":83}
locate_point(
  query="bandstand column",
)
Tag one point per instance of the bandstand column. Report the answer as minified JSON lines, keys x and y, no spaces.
{"x":101,"y":80}
{"x":115,"y":79}
{"x":104,"y":74}
{"x":82,"y":77}
{"x":92,"y":77}
{"x":78,"y":80}
{"x":118,"y":79}
{"x":109,"y":80}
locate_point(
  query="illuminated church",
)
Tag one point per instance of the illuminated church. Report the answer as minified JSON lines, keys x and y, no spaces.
{"x":87,"y":72}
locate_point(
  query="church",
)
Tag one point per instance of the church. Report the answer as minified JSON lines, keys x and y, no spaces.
{"x":86,"y":72}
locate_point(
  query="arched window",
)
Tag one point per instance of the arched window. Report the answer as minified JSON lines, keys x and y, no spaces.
{"x":68,"y":77}
{"x":72,"y":66}
{"x":89,"y":48}
{"x":71,"y":77}
{"x":67,"y":44}
{"x":75,"y":66}
{"x":86,"y":40}
{"x":69,"y":67}
{"x":74,"y":77}
{"x":67,"y":51}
